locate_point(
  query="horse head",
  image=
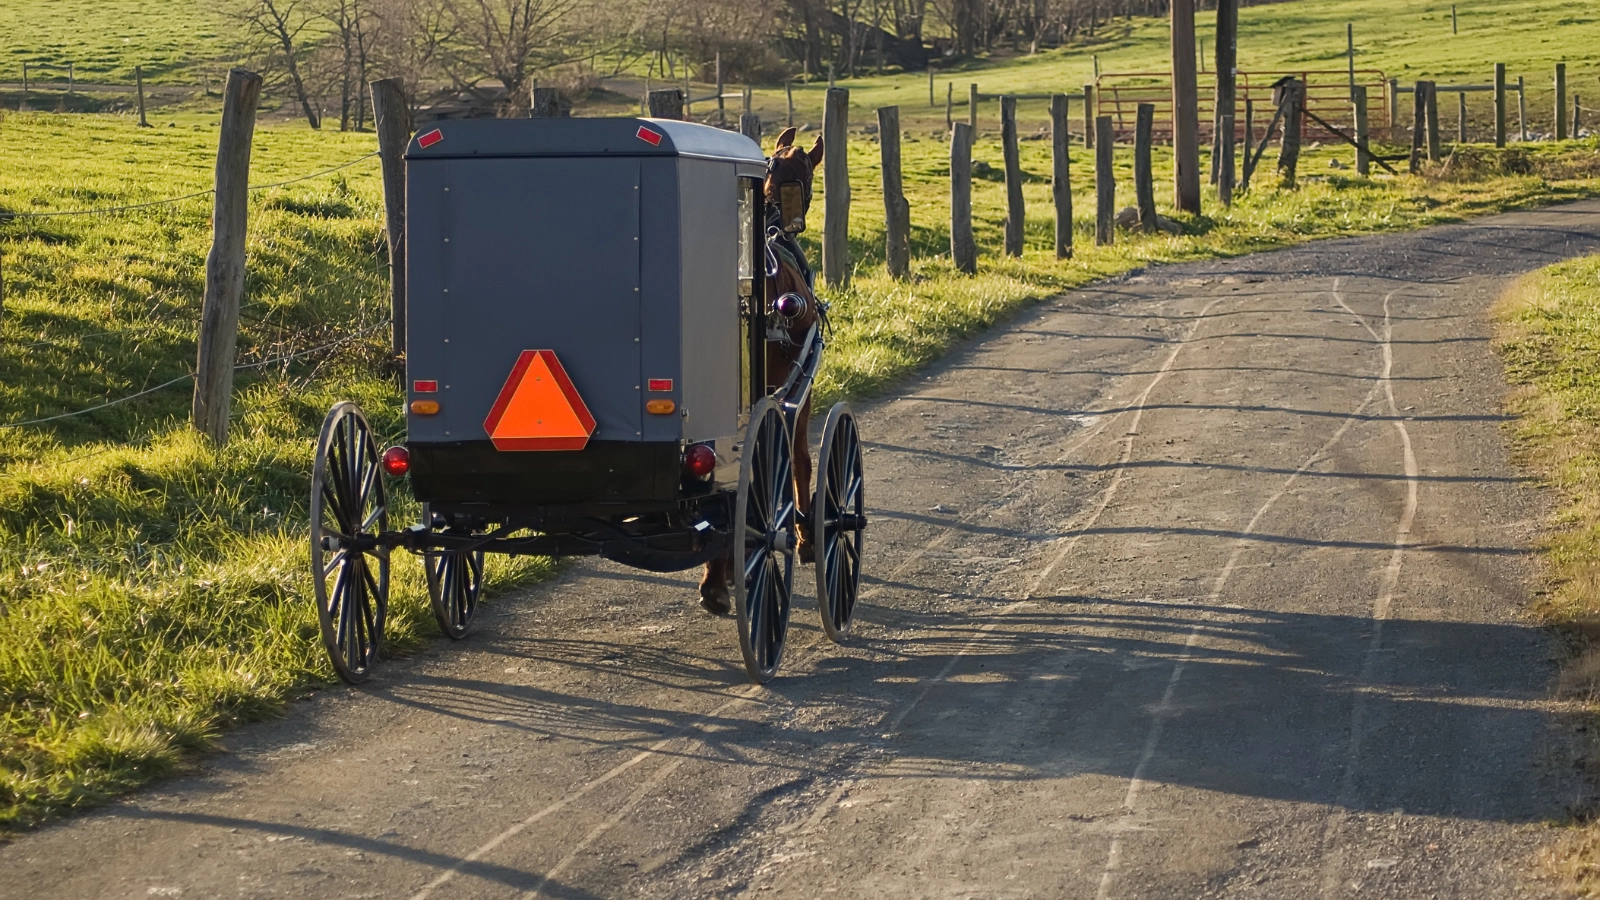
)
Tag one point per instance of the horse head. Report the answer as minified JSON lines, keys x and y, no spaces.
{"x":789,"y":175}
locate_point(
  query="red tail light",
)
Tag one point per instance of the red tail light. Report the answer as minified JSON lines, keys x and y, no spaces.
{"x":699,"y":461}
{"x":397,"y":461}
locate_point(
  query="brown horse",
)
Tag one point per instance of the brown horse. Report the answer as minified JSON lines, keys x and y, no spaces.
{"x":790,"y":172}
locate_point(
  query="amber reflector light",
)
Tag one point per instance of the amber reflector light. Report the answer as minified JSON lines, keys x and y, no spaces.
{"x":424,"y":407}
{"x":660,"y":407}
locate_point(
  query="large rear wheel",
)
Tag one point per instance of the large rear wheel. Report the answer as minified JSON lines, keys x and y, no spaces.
{"x":764,"y":540}
{"x":838,"y":512}
{"x":349,"y":572}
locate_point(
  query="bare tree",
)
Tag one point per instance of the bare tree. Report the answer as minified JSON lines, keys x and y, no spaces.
{"x":354,"y":24}
{"x":508,"y":41}
{"x":284,"y":25}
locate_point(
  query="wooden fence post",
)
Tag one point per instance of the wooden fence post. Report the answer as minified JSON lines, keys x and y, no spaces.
{"x":1394,"y":110}
{"x":1577,"y":110}
{"x":1293,"y":105}
{"x":1015,"y":216}
{"x":972,"y":109}
{"x":1435,"y":139}
{"x":546,"y":104}
{"x":1561,"y":101}
{"x":836,"y":189}
{"x":747,"y":100}
{"x":1419,"y":124}
{"x":750,"y":126}
{"x":1088,"y":117}
{"x":963,"y":245}
{"x":1144,"y":185}
{"x":1105,"y":185}
{"x":1060,"y":182}
{"x":896,"y":210}
{"x":949,"y":106}
{"x":1225,"y":179}
{"x":391,"y":117}
{"x":230,"y":217}
{"x":1500,"y":104}
{"x":138,"y":81}
{"x":722,"y":116}
{"x":1522,"y":109}
{"x":667,"y":104}
{"x":24,"y":78}
{"x":932,"y":104}
{"x":788,"y":90}
{"x":1461,"y":117}
{"x":1363,"y":132}
{"x":1185,"y":110}
{"x":1227,"y":88}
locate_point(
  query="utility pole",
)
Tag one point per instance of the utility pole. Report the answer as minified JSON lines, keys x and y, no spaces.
{"x":1185,"y":109}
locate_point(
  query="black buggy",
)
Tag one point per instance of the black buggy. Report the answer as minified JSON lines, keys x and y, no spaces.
{"x":587,"y":323}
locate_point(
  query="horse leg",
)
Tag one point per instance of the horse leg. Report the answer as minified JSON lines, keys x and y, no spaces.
{"x":714,"y":597}
{"x":802,"y":482}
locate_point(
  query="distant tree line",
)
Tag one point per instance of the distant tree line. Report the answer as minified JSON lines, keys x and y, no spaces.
{"x":320,"y":54}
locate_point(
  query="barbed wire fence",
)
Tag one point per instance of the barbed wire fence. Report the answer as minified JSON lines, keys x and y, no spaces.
{"x":282,"y":359}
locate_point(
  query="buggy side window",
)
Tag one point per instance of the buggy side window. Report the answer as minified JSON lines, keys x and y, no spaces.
{"x":747,"y":215}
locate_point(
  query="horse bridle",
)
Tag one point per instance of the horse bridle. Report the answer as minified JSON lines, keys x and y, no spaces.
{"x":794,"y":197}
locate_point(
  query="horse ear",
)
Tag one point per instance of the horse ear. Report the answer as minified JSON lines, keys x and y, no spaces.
{"x":787,"y":137}
{"x":816,"y":152}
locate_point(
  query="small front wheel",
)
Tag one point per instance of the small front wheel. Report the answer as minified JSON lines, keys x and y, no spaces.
{"x":349,"y":571}
{"x":839,"y":513}
{"x":455,"y":579}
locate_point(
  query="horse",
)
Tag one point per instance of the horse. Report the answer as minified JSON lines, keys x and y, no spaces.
{"x":787,"y":190}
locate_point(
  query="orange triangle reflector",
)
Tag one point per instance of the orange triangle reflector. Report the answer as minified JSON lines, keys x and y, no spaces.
{"x":539,"y":409}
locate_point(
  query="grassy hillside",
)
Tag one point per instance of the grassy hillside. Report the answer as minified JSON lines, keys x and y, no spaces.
{"x":172,"y":39}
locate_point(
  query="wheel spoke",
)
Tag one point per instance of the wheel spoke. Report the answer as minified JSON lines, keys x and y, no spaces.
{"x":334,"y":562}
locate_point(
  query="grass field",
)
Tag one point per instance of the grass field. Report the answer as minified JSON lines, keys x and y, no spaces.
{"x":1549,"y":335}
{"x":174,"y":40}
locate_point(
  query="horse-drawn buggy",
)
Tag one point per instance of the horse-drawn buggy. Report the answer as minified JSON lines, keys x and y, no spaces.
{"x":611,"y":341}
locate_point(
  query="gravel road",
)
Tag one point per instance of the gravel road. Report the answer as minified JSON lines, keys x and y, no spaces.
{"x":1210,"y":581}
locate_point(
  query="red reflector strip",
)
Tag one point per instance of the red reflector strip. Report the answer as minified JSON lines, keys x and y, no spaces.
{"x":660,"y":384}
{"x":649,"y":137}
{"x":425,"y":387}
{"x":429,"y":139}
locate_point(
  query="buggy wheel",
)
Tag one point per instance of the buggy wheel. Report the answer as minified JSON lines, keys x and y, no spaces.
{"x":763,"y":527}
{"x":839,"y":513}
{"x":455,"y":578}
{"x":350,"y":575}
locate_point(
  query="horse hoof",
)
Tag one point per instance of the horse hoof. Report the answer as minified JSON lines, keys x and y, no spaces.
{"x":714,"y":600}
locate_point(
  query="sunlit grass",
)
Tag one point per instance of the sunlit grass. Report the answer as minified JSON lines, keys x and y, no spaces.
{"x":1549,"y":336}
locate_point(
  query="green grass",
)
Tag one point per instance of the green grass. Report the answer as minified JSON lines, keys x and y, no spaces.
{"x":174,"y":40}
{"x":1549,"y":337}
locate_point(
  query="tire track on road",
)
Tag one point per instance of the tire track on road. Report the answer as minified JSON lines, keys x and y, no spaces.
{"x":1241,"y":544}
{"x":1332,"y":856}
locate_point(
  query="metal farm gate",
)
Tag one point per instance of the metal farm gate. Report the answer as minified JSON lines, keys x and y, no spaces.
{"x":1118,"y":95}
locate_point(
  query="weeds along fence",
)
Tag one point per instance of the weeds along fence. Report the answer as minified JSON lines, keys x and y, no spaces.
{"x":225,"y":268}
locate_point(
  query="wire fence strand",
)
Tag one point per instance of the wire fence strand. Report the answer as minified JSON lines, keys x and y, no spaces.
{"x":185,"y":377}
{"x":105,"y":210}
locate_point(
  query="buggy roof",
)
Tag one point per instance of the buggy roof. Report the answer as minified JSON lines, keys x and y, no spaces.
{"x":582,"y":137}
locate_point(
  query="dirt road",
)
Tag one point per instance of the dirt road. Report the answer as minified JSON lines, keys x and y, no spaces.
{"x":1208,"y":582}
